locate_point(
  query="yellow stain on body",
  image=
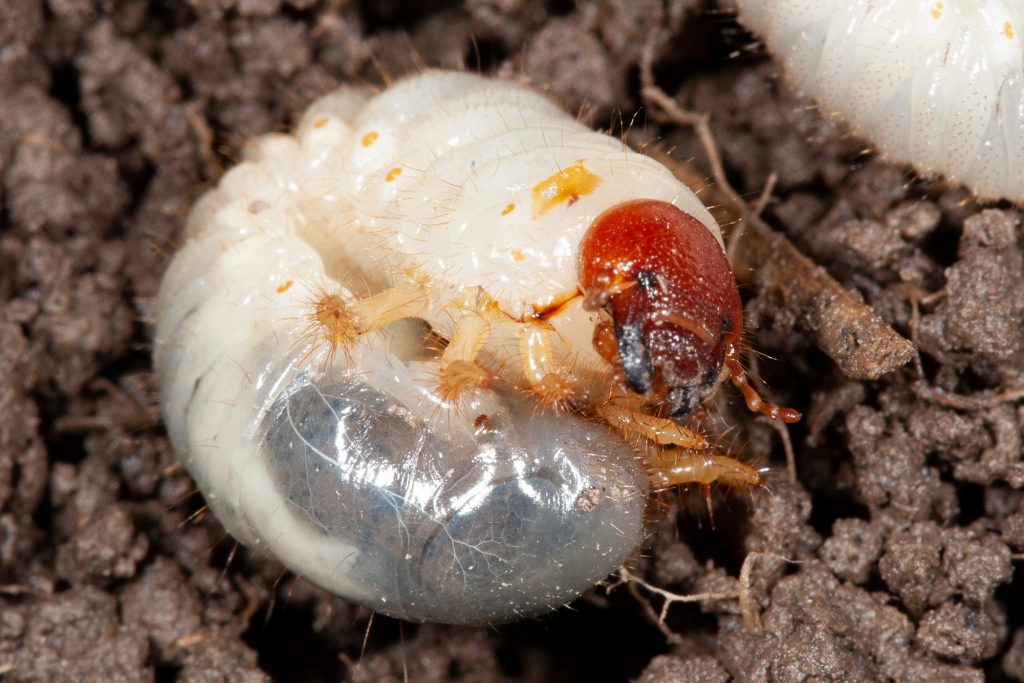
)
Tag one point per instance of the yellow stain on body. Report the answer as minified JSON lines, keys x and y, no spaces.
{"x":563,"y":186}
{"x":392,"y":174}
{"x":320,"y":123}
{"x":518,"y":255}
{"x":936,"y":10}
{"x":508,"y":209}
{"x":1008,"y":30}
{"x":369,"y":138}
{"x":284,"y":286}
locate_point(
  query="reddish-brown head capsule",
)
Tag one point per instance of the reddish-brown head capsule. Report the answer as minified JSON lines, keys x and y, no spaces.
{"x":669,"y":291}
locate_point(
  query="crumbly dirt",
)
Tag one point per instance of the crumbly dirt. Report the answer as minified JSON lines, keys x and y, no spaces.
{"x":900,"y":536}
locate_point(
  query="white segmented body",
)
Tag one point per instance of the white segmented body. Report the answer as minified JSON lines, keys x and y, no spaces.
{"x":936,"y":83}
{"x":452,"y":186}
{"x":437,"y":181}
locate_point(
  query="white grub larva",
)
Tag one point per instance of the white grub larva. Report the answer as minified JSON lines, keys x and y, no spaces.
{"x":935,"y":83}
{"x":427,"y":479}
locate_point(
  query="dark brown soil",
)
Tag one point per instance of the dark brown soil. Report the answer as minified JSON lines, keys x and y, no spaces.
{"x":908,"y":517}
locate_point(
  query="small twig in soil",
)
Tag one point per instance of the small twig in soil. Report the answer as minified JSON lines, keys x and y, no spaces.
{"x":983,"y":400}
{"x":862,"y":344}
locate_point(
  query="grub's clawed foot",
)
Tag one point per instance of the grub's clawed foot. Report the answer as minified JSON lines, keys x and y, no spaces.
{"x":459,"y":378}
{"x":460,"y":373}
{"x":537,"y":344}
{"x":688,"y":457}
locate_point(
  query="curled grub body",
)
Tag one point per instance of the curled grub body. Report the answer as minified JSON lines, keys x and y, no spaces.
{"x":358,"y":341}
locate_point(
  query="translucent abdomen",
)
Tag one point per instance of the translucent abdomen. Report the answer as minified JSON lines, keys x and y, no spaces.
{"x":511,"y":521}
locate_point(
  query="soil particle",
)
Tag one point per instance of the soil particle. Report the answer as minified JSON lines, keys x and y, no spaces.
{"x":106,"y":547}
{"x":671,"y":669}
{"x":1012,"y":529}
{"x":126,"y":96}
{"x":567,"y":61}
{"x":961,"y":632}
{"x":853,"y":549}
{"x":674,"y":564}
{"x":884,"y":249}
{"x":926,"y":565}
{"x":23,"y":458}
{"x":217,"y":654}
{"x":163,"y":605}
{"x":436,"y":654}
{"x":982,"y":311}
{"x":818,"y":627}
{"x":72,"y":636}
{"x":507,"y":21}
{"x":1013,"y":660}
{"x":893,"y":479}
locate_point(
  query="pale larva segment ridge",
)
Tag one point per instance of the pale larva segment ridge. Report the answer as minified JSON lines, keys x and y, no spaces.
{"x":934,"y":83}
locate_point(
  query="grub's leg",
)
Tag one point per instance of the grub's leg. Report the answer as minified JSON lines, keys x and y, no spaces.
{"x":459,"y":370}
{"x":754,"y":402}
{"x":668,"y":468}
{"x":627,"y":414}
{"x":692,"y":462}
{"x":536,"y":344}
{"x":339,"y":321}
{"x":681,"y":467}
{"x":398,"y":303}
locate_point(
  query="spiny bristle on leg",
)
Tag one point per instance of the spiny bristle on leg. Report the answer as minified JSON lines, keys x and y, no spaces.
{"x":459,"y":378}
{"x":554,"y":393}
{"x":459,"y":370}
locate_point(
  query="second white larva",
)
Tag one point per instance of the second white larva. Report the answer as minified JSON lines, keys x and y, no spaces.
{"x":935,"y":83}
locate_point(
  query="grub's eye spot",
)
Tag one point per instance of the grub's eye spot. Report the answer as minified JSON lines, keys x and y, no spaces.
{"x":369,"y":138}
{"x":565,"y":186}
{"x":1008,"y":30}
{"x":392,"y":174}
{"x":320,"y":123}
{"x":509,"y":208}
{"x":284,"y":286}
{"x":936,"y":10}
